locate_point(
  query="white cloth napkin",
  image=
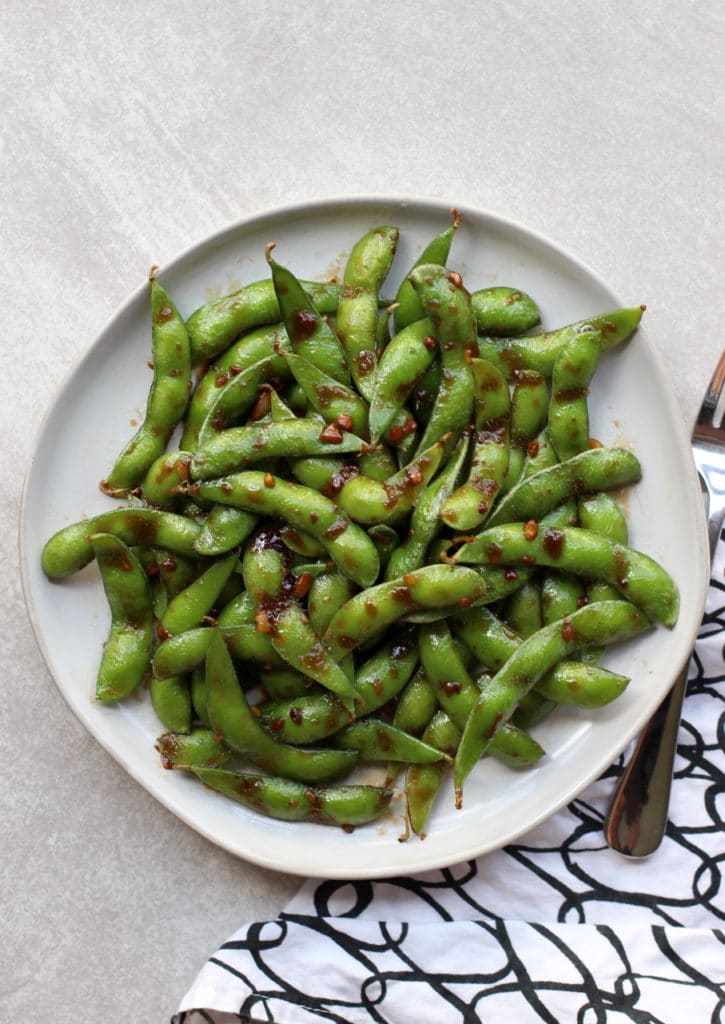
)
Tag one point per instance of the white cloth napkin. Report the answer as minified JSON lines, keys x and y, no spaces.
{"x":556,"y":928}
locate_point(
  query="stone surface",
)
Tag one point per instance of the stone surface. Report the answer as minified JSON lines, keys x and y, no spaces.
{"x":130,"y":132}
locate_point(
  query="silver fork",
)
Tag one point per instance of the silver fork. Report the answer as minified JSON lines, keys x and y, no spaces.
{"x":637,"y":816}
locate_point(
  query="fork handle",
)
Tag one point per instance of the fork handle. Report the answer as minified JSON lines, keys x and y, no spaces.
{"x":638,"y":813}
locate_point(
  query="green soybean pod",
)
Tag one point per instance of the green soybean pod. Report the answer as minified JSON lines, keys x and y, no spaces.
{"x":540,"y":351}
{"x":457,"y":693}
{"x":232,"y":719}
{"x":310,"y":718}
{"x":240,"y":447}
{"x":165,"y":478}
{"x":426,"y":521}
{"x":237,"y":397}
{"x":171,"y":700}
{"x":529,"y":407}
{"x":344,"y":806}
{"x":379,"y":741}
{"x":568,"y":412}
{"x":357,"y":313}
{"x":423,"y":781}
{"x":504,"y":312}
{"x":200,"y":748}
{"x":409,"y":308}
{"x":347,"y":544}
{"x":329,"y":397}
{"x":223,"y":529}
{"x":448,"y":304}
{"x":70,"y":549}
{"x":469,"y":505}
{"x":416,"y":706}
{"x":168,"y":395}
{"x":597,"y":470}
{"x":603,"y":622}
{"x":188,"y":608}
{"x":309,"y":333}
{"x":635,"y":575}
{"x":401,"y":366}
{"x":215,"y":325}
{"x":436,"y":588}
{"x":126,"y":654}
{"x":327,"y":595}
{"x":370,"y":501}
{"x":265,"y":343}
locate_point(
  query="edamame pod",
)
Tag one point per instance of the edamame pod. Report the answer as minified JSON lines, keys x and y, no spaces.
{"x":540,"y":351}
{"x":448,"y":305}
{"x":504,"y":311}
{"x":379,"y":741}
{"x":568,"y":413}
{"x":597,"y":470}
{"x":635,"y":575}
{"x":357,"y":314}
{"x":347,"y":544}
{"x":168,"y":396}
{"x":70,"y":549}
{"x":408,"y":306}
{"x":455,"y":690}
{"x":422,"y":782}
{"x":603,"y":622}
{"x":401,"y":366}
{"x":127,"y":651}
{"x":370,"y":501}
{"x":223,"y":529}
{"x":432,"y":587}
{"x":214,"y":326}
{"x":311,"y":718}
{"x":239,"y":447}
{"x":232,"y":718}
{"x":200,"y":748}
{"x":188,"y":608}
{"x":329,"y":397}
{"x":344,"y":806}
{"x":262,"y":344}
{"x":171,"y":700}
{"x":468,"y":506}
{"x":426,"y":521}
{"x":309,"y":333}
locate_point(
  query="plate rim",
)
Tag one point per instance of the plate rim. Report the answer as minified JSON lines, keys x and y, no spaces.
{"x":218,"y":238}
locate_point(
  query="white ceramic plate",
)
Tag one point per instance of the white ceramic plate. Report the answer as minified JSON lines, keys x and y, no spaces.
{"x":632,"y":403}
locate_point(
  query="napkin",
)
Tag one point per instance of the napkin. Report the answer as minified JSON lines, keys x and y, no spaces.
{"x":554,"y":928}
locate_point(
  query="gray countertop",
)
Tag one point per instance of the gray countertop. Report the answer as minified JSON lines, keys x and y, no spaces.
{"x":133,"y":130}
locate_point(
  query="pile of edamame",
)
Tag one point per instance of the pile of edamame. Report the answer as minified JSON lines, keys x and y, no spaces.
{"x":386,"y":535}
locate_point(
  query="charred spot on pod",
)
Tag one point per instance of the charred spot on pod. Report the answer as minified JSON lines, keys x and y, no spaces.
{"x":268,"y":536}
{"x":510,"y":575}
{"x":494,"y":552}
{"x":333,"y":531}
{"x":553,"y":542}
{"x":365,"y":362}
{"x":568,"y":633}
{"x":451,"y":687}
{"x":295,"y":716}
{"x":303,"y":324}
{"x":165,"y":314}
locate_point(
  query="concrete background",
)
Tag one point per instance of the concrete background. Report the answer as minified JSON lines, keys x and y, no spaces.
{"x":133,"y":130}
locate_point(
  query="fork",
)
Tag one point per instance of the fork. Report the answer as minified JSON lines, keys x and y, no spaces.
{"x":637,"y":816}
